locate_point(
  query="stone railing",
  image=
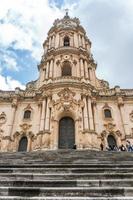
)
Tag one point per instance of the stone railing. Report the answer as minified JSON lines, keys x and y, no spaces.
{"x":6,"y":94}
{"x":113,"y":92}
{"x":127,"y":92}
{"x":17,"y":93}
{"x":110,"y":92}
{"x":63,"y":79}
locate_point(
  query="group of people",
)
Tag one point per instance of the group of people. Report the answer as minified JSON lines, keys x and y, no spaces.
{"x":128,"y":147}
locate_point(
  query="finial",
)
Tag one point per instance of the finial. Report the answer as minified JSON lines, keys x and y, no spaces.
{"x":67,"y":10}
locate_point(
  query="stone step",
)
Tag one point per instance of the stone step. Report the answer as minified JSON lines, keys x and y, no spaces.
{"x":68,"y":183}
{"x":68,"y":155}
{"x":64,"y":198}
{"x":66,"y":165}
{"x":70,"y":192}
{"x":66,"y":175}
{"x":62,"y":176}
{"x":66,"y":170}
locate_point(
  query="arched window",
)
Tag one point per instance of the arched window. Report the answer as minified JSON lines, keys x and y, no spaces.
{"x":66,"y":41}
{"x":66,"y":69}
{"x":23,"y":144}
{"x":107,"y":113}
{"x":27,"y":114}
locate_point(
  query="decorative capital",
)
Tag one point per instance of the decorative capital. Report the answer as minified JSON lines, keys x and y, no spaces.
{"x":14,"y":103}
{"x":120,"y":101}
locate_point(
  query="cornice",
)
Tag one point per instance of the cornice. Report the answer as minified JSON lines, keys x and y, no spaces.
{"x":74,"y":82}
{"x":79,"y":86}
{"x":66,"y":50}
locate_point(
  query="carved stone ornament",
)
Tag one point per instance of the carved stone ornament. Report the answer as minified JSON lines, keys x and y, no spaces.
{"x":2,"y":118}
{"x":28,"y":107}
{"x":66,"y":100}
{"x":109,"y":127}
{"x":66,"y":94}
{"x":118,"y":133}
{"x":25,"y":126}
{"x":66,"y":57}
{"x":103,"y":135}
{"x":106,"y":106}
{"x":131,"y":116}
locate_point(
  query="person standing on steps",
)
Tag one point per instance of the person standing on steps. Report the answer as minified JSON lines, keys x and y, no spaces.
{"x":101,"y":146}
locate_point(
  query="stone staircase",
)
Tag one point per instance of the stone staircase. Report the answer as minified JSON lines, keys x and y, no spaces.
{"x":66,"y":175}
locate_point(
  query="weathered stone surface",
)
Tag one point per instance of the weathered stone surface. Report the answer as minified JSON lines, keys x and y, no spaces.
{"x":68,"y":175}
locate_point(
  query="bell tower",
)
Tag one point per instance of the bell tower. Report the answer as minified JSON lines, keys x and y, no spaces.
{"x":66,"y":80}
{"x":67,"y":54}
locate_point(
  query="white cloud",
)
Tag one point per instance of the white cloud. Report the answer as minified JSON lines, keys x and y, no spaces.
{"x":24,"y":26}
{"x":26,"y":23}
{"x":109,"y":25}
{"x":7,"y":83}
{"x":10,"y":63}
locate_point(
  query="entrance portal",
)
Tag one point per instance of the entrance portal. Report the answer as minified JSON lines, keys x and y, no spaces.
{"x":23,"y":144}
{"x":111,"y":141}
{"x":66,"y":133}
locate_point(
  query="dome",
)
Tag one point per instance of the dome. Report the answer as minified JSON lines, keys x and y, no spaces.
{"x":66,"y":23}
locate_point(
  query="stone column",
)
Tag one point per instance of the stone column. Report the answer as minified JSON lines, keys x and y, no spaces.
{"x":94,"y":75}
{"x":96,"y":120}
{"x":82,"y":67}
{"x":51,"y":68}
{"x":83,"y":41}
{"x":53,"y":41}
{"x":78,"y":70}
{"x":44,"y":76}
{"x":47,"y":120}
{"x":80,"y":43}
{"x":39,"y":115}
{"x":90,"y":74}
{"x":47,"y":70}
{"x":54,"y":69}
{"x":123,"y":116}
{"x":77,"y":132}
{"x":56,"y":134}
{"x":41,"y":75}
{"x":86,"y":70}
{"x":12,"y":117}
{"x":75,"y":40}
{"x":57,"y":41}
{"x":91,"y":122}
{"x":50,"y":42}
{"x":42,"y":122}
{"x":29,"y":144}
{"x":85,"y":113}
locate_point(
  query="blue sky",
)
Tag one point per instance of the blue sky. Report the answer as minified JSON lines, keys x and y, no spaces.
{"x":24,"y":26}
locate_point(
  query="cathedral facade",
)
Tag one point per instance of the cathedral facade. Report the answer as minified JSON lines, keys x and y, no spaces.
{"x":67,"y":106}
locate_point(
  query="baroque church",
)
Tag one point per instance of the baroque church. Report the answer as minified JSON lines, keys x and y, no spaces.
{"x":67,"y":106}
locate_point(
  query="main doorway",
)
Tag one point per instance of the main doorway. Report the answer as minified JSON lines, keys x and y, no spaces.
{"x":23,"y":144}
{"x":111,"y":141}
{"x":66,"y":133}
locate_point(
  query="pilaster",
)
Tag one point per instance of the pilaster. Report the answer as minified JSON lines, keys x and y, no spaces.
{"x":91,"y":122}
{"x":86,"y":125}
{"x":86,"y":70}
{"x":47,"y":121}
{"x":43,"y":112}
{"x":82,"y":67}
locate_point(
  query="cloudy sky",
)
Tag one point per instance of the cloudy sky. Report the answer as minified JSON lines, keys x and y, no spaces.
{"x":24,"y":25}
